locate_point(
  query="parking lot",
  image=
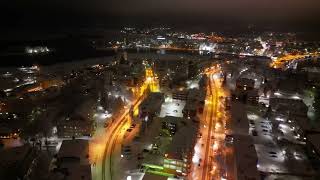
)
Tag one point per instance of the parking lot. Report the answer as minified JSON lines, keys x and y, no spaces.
{"x":270,"y":159}
{"x":260,"y":129}
{"x":172,"y":108}
{"x":278,"y":145}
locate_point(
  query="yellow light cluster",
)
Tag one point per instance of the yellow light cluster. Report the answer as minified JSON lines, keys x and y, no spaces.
{"x":280,"y":62}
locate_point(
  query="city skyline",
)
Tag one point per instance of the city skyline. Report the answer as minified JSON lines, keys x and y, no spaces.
{"x":166,"y":90}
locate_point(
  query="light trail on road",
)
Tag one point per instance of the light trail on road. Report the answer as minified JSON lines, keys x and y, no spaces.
{"x":212,"y":169}
{"x":122,"y":124}
{"x":282,"y":61}
{"x":213,"y":98}
{"x":108,"y":151}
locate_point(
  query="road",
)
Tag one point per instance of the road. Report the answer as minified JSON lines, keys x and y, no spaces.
{"x":214,"y":163}
{"x":213,"y":106}
{"x":109,"y":141}
{"x":114,"y":140}
{"x":208,"y":165}
{"x":201,"y":166}
{"x":101,"y":145}
{"x":282,"y":61}
{"x":203,"y":144}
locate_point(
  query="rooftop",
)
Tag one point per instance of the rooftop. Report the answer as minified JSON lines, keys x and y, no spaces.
{"x":23,"y":162}
{"x":295,"y":106}
{"x":290,"y":86}
{"x":183,"y":141}
{"x":13,"y":155}
{"x":76,"y":172}
{"x":191,"y":105}
{"x":239,"y":123}
{"x":153,"y":102}
{"x":76,"y":148}
{"x":246,"y":158}
{"x":149,"y":176}
{"x":245,"y":81}
{"x":172,"y":119}
{"x":196,"y":94}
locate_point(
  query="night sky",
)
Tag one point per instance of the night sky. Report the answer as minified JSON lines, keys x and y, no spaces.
{"x":299,"y":14}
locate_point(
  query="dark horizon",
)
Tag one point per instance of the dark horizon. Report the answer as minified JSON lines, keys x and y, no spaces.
{"x":284,"y":16}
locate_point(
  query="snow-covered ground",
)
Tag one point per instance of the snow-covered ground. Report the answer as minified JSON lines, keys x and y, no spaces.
{"x":276,"y":156}
{"x":172,"y":108}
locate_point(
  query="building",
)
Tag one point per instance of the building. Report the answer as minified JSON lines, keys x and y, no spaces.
{"x":244,"y":84}
{"x":244,"y":149}
{"x":149,"y":176}
{"x":190,"y":109}
{"x":192,"y":69}
{"x":123,"y":58}
{"x":151,"y":105}
{"x":203,"y":82}
{"x":245,"y":91}
{"x":239,"y":123}
{"x":253,"y":96}
{"x":246,"y":159}
{"x":108,"y":78}
{"x":10,"y":125}
{"x":291,"y":88}
{"x":313,"y":73}
{"x":128,"y":81}
{"x":292,"y":107}
{"x":75,"y":151}
{"x":198,"y":95}
{"x":171,"y":124}
{"x":165,"y":85}
{"x":7,"y":133}
{"x":76,"y":126}
{"x":76,"y":172}
{"x":179,"y":154}
{"x":23,"y":162}
{"x":180,"y":95}
{"x":73,"y":161}
{"x":50,"y":85}
{"x":174,"y":150}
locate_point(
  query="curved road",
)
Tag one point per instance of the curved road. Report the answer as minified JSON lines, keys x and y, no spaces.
{"x":115,"y":133}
